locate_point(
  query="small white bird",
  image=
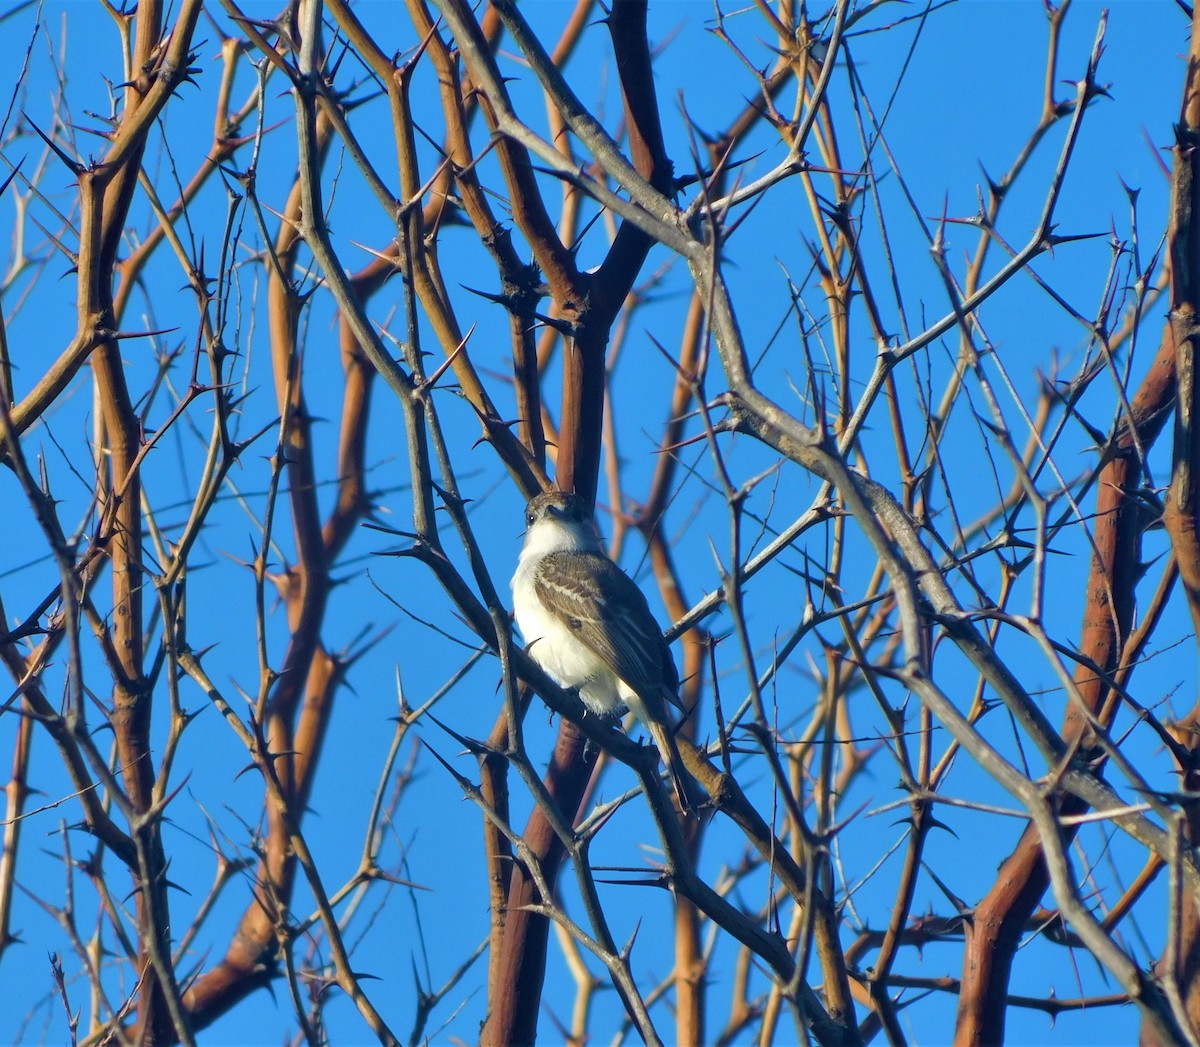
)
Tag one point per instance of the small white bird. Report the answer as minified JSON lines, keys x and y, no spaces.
{"x":589,"y":627}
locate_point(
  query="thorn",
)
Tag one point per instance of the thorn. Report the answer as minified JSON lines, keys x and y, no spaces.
{"x":74,"y":165}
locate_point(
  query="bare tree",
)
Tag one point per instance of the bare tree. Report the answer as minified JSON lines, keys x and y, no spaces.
{"x":916,"y":579}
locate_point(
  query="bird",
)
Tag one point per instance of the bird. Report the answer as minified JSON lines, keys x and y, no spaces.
{"x":588,"y":626}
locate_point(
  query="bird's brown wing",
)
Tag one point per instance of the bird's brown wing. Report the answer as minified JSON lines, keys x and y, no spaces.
{"x":609,"y":614}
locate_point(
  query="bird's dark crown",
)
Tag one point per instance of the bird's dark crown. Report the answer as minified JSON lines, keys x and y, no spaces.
{"x":563,"y":505}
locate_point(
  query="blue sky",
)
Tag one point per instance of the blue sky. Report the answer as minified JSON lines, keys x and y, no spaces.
{"x":968,"y":98}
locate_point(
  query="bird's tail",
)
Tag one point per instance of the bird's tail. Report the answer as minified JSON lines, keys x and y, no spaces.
{"x":685,"y":790}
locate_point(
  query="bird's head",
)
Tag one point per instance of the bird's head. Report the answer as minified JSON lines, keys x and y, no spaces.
{"x":560,"y":522}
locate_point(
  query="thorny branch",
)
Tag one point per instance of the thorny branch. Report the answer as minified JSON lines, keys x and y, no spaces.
{"x":867,"y":557}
